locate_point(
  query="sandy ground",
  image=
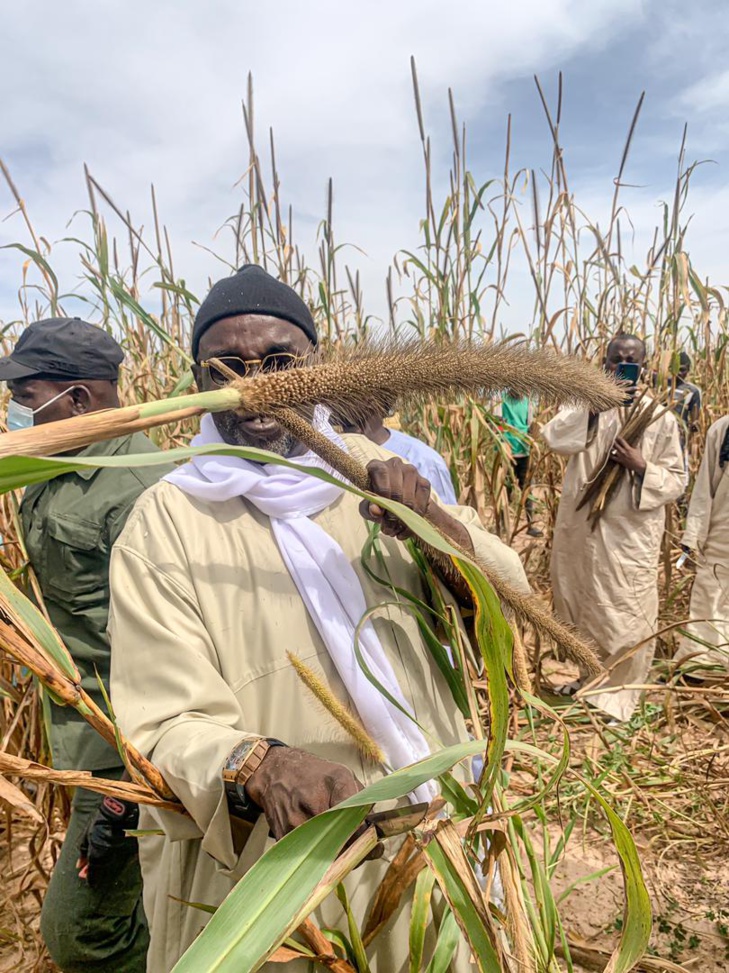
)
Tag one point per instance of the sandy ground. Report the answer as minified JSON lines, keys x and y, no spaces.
{"x":685,"y":896}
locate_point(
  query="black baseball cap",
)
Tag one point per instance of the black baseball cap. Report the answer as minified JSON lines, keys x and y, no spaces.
{"x":63,"y":348}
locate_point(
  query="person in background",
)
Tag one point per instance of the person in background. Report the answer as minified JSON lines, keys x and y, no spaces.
{"x":707,"y":537}
{"x":92,"y":918}
{"x":686,"y":399}
{"x":426,"y":461}
{"x":224,"y":568}
{"x":518,"y":414}
{"x":605,"y":579}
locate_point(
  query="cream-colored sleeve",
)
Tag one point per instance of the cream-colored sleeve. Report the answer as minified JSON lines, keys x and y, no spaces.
{"x":568,"y":432}
{"x":167,"y":690}
{"x":665,"y":477}
{"x":495,"y":554}
{"x":702,"y":495}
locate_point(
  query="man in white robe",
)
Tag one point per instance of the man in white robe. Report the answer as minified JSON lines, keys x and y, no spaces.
{"x":605,"y":580}
{"x":707,"y":534}
{"x":424,"y":458}
{"x":224,"y":568}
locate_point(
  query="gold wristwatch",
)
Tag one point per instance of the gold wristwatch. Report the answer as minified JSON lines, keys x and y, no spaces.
{"x":242,"y":762}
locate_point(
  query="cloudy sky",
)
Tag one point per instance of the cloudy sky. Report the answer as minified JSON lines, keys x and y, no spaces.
{"x":151,"y":93}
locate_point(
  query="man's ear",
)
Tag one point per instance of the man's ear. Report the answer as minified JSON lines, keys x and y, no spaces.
{"x":81,"y":400}
{"x":197,"y":375}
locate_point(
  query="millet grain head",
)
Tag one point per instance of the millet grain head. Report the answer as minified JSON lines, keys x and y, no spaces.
{"x":354,"y":382}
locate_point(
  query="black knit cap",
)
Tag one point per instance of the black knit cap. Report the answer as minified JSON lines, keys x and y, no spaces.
{"x":251,"y":291}
{"x":61,"y":349}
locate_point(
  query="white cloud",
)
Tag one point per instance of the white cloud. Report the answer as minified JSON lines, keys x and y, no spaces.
{"x":706,"y":103}
{"x":151,"y":93}
{"x":709,"y":94}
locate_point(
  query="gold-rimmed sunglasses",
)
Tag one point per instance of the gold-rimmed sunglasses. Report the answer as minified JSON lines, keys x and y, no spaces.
{"x":242,"y":368}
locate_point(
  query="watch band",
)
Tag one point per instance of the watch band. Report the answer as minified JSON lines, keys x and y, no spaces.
{"x":242,"y":762}
{"x":251,"y":762}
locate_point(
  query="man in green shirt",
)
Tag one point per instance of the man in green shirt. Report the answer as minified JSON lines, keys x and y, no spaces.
{"x":92,"y":918}
{"x":517,"y":414}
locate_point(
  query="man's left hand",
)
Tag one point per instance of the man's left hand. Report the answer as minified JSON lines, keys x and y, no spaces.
{"x":628,"y":456}
{"x":394,"y":480}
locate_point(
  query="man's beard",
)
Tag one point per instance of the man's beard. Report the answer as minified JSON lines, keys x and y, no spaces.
{"x":230,"y":429}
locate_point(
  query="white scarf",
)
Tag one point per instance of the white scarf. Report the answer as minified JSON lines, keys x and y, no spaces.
{"x":323,"y":575}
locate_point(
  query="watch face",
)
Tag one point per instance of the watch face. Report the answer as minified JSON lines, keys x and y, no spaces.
{"x":237,"y":755}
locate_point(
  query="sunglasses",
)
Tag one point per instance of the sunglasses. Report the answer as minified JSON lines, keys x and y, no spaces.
{"x":245,"y":368}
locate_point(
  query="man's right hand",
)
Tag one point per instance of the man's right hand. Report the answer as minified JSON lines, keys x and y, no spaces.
{"x":104,"y":836}
{"x":291,"y":786}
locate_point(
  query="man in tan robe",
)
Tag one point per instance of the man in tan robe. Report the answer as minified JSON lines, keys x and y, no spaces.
{"x":204,"y":611}
{"x":707,"y":533}
{"x":604,"y":580}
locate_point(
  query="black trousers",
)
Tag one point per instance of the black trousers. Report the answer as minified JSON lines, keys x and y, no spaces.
{"x":520,"y":466}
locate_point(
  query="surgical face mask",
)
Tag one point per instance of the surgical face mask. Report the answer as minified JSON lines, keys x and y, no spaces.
{"x":23,"y":417}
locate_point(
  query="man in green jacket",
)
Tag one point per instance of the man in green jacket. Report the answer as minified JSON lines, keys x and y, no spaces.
{"x":92,"y":918}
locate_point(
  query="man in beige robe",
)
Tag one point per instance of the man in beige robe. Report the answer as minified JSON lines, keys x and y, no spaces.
{"x":707,"y":534}
{"x":605,"y":580}
{"x":204,"y":612}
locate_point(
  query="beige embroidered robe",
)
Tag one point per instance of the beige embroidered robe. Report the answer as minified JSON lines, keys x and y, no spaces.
{"x":203,"y":612}
{"x":604,"y":580}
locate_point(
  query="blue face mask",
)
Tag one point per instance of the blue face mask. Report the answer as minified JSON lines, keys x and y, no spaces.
{"x":19,"y":416}
{"x":23,"y":417}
